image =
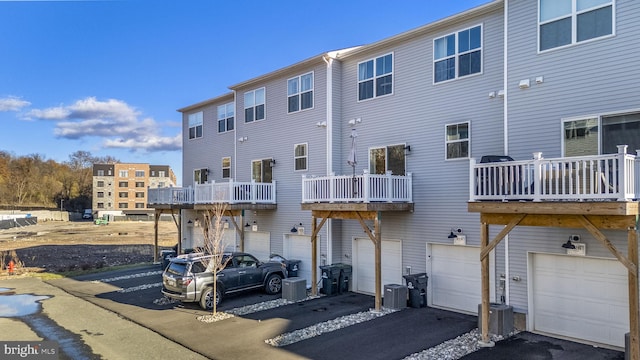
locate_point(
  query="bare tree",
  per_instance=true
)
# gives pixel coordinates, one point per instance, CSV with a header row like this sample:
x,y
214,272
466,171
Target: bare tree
x,y
213,231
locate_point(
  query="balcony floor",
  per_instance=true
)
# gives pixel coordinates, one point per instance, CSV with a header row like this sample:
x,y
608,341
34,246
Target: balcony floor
x,y
621,208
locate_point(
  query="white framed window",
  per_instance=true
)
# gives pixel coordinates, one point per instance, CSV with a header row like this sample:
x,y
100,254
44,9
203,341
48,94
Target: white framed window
x,y
100,172
161,173
457,141
375,77
254,105
195,125
226,117
300,157
385,159
457,55
566,22
300,92
226,167
601,134
123,173
200,176
139,173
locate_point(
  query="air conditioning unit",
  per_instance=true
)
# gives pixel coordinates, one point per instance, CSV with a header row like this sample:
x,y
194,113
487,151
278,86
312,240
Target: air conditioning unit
x,y
294,289
500,319
395,296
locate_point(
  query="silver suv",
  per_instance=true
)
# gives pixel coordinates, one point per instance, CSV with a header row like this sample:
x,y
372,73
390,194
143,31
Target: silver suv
x,y
187,279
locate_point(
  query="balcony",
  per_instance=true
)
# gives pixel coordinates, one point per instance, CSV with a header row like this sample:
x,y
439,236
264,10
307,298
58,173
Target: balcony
x,y
365,188
611,177
232,193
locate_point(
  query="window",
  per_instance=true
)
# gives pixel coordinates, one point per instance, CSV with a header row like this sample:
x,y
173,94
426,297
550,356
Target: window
x,y
565,22
226,167
375,77
226,115
100,172
261,170
123,205
139,184
100,205
100,184
161,184
457,141
254,105
388,158
123,194
300,92
123,184
123,173
195,125
602,134
457,55
139,205
300,157
139,173
139,194
161,173
100,194
200,176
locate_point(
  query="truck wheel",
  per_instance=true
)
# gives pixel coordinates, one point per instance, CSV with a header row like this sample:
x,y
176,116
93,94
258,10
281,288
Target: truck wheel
x,y
273,284
206,300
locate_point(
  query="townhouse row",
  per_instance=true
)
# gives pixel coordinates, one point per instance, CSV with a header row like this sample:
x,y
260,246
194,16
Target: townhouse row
x,y
384,141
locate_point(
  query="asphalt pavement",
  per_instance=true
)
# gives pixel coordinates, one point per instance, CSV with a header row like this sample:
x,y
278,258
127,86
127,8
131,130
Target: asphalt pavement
x,y
116,313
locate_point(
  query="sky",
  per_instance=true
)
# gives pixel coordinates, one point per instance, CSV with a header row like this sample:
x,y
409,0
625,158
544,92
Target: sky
x,y
108,76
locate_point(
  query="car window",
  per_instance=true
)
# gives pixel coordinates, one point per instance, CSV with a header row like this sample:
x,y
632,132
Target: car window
x,y
247,261
177,268
197,267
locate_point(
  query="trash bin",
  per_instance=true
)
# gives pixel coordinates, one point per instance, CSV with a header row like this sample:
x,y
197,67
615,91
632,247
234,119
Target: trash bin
x,y
292,267
330,279
166,256
345,277
417,286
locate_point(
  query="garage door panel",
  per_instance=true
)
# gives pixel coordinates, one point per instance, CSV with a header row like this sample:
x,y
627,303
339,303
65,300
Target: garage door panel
x,y
455,277
298,247
258,244
364,271
590,302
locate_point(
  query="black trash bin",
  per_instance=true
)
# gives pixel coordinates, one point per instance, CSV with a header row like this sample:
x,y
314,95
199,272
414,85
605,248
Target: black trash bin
x,y
166,256
417,285
345,277
330,279
292,267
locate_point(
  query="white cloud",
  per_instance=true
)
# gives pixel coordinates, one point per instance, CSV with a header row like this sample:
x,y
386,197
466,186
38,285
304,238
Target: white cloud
x,y
113,120
12,103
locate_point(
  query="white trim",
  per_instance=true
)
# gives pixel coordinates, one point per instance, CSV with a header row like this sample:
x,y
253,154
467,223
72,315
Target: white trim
x,y
468,140
255,104
306,156
300,92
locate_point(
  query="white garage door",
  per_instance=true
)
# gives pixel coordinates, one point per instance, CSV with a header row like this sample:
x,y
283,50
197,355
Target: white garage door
x,y
455,278
258,244
364,264
298,247
580,297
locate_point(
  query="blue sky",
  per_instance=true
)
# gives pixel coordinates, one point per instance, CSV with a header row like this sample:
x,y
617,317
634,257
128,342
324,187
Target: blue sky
x,y
108,76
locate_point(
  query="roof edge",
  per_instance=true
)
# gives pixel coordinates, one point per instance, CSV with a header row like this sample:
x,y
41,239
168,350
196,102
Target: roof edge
x,y
206,102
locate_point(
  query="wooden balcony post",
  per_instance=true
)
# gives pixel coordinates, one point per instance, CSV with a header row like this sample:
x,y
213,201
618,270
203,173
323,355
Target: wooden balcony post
x,y
485,341
634,327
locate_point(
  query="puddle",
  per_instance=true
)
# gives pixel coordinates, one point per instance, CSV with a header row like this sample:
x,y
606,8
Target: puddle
x,y
20,305
27,308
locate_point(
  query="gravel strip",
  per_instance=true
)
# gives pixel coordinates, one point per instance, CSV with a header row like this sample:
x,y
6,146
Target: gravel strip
x,y
248,309
456,348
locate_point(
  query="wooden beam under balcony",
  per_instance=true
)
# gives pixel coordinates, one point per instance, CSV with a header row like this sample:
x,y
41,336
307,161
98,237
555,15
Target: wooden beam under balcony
x,y
383,206
621,208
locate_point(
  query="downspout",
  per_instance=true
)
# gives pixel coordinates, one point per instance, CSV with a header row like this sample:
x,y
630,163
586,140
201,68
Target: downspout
x,y
329,144
505,112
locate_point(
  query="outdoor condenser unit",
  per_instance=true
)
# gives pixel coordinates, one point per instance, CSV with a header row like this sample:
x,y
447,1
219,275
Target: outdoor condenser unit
x,y
294,289
395,296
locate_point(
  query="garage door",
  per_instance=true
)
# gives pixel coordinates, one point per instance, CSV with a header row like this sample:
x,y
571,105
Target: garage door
x,y
229,240
364,264
298,247
454,277
258,244
580,297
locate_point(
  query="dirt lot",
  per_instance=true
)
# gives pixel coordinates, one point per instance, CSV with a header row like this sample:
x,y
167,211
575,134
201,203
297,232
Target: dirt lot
x,y
57,246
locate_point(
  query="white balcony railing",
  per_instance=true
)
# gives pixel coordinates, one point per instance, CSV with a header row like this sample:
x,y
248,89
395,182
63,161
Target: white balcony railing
x,y
231,192
599,177
364,188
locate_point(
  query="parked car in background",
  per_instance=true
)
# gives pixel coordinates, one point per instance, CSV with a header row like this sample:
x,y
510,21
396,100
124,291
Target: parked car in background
x,y
189,278
87,214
